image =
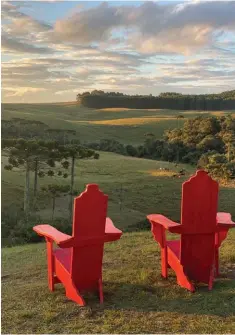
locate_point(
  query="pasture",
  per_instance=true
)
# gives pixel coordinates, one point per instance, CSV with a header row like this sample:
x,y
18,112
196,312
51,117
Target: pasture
x,y
136,187
136,298
127,126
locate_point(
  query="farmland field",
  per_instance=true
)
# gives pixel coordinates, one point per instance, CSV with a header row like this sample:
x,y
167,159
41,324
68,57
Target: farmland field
x,y
125,125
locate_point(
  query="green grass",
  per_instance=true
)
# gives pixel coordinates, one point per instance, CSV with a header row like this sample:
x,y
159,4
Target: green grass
x,y
143,192
137,300
84,120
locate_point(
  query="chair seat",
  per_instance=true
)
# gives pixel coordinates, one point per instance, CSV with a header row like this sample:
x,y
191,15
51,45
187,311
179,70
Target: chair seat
x,y
64,257
174,246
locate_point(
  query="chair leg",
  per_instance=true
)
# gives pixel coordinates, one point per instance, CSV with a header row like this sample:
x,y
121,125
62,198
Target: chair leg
x,y
184,281
50,265
214,270
211,280
101,290
164,262
217,273
182,278
73,294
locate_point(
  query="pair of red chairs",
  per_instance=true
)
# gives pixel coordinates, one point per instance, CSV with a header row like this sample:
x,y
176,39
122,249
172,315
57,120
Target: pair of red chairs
x,y
77,263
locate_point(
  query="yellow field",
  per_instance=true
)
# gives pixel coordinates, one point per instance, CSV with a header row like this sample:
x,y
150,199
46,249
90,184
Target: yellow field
x,y
215,113
114,109
132,121
127,109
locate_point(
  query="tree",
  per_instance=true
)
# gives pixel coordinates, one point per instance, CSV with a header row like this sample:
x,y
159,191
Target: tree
x,y
63,136
55,191
168,100
179,117
217,165
131,151
28,154
74,152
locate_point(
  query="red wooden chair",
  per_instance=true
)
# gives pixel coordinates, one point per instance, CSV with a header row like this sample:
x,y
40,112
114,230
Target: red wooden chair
x,y
195,257
77,264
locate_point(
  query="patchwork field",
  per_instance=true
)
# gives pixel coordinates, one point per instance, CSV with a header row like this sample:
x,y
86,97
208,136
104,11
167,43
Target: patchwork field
x,y
125,125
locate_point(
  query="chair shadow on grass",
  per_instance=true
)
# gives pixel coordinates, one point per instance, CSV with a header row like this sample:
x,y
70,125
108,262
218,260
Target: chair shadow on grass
x,y
166,296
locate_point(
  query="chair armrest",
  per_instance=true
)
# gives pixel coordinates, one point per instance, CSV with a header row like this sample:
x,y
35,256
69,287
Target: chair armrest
x,y
111,232
110,228
168,224
225,220
51,233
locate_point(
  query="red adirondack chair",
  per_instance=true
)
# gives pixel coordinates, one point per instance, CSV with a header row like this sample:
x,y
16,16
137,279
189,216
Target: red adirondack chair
x,y
77,264
195,257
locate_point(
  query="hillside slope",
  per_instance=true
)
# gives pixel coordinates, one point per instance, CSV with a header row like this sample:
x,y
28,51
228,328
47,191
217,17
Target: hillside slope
x,y
137,300
136,187
128,126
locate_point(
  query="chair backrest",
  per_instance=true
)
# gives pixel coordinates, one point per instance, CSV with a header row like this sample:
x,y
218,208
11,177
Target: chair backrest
x,y
198,219
90,209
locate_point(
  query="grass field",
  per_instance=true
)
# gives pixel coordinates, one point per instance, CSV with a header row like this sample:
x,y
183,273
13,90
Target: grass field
x,y
146,188
125,125
137,300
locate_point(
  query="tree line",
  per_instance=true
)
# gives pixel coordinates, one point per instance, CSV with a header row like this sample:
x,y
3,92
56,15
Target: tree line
x,y
168,100
206,142
33,129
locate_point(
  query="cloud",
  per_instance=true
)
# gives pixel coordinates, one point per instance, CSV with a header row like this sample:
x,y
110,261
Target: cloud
x,y
10,45
151,28
135,48
20,32
90,25
26,26
20,91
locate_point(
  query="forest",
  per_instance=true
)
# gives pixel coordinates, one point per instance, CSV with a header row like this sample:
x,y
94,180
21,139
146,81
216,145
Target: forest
x,y
168,100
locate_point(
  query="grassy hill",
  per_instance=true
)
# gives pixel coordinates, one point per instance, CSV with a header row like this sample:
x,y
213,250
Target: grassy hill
x,y
145,188
125,125
137,300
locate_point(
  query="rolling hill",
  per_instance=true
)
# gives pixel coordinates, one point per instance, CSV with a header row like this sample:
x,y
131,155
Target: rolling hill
x,y
128,126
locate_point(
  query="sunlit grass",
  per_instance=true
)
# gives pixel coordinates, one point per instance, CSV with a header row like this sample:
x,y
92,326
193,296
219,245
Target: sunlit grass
x,y
114,109
140,185
132,121
161,173
128,126
128,109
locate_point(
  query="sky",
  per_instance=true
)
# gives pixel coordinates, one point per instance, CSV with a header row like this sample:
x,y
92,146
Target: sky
x,y
53,50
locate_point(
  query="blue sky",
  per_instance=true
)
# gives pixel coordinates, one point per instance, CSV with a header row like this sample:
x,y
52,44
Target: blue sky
x,y
53,50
